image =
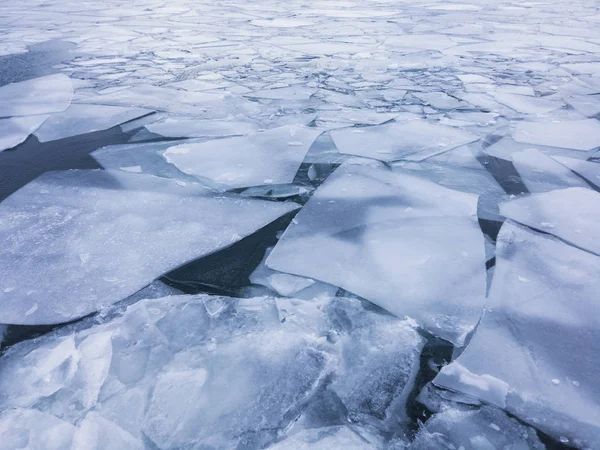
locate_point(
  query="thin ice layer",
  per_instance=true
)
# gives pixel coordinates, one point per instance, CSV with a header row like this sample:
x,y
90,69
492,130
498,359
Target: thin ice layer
x,y
80,119
78,241
541,173
189,127
15,130
203,371
571,214
43,95
398,140
535,350
406,244
270,157
590,171
575,134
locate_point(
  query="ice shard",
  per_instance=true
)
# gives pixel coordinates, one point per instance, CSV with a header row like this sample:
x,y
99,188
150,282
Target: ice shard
x,y
270,157
395,240
534,352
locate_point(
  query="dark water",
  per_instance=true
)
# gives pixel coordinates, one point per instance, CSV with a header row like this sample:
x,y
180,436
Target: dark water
x,y
37,62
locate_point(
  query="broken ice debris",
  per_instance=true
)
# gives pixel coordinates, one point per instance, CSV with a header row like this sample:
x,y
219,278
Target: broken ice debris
x,y
204,372
49,94
398,140
15,130
78,241
535,351
475,429
80,119
571,214
541,173
270,157
575,134
406,244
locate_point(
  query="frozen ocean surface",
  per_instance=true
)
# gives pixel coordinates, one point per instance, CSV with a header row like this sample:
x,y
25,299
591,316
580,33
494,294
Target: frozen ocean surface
x,y
324,224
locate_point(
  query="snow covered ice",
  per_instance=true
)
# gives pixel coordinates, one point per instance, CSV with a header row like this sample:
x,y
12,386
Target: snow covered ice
x,y
306,224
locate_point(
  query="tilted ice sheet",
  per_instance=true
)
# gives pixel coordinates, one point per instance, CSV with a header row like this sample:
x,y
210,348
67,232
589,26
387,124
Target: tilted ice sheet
x,y
535,351
572,214
14,130
461,170
270,157
398,140
49,94
576,134
395,240
80,119
590,171
78,241
541,173
205,372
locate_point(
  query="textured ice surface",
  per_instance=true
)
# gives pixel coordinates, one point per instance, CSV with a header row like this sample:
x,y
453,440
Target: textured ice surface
x,y
398,140
406,83
575,134
533,352
395,240
78,241
541,173
270,157
477,429
571,214
14,130
205,372
81,119
43,95
325,439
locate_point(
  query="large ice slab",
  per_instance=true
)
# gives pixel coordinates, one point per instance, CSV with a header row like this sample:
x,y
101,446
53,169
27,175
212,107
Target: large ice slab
x,y
576,134
80,119
206,372
534,352
78,241
398,140
571,214
43,95
541,173
15,130
395,240
270,157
